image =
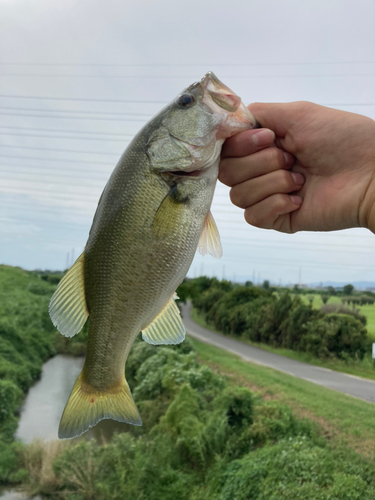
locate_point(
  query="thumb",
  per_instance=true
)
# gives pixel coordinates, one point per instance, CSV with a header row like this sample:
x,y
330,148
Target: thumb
x,y
279,117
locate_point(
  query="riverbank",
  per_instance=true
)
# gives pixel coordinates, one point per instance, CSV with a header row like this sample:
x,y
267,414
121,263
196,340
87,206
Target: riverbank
x,y
343,420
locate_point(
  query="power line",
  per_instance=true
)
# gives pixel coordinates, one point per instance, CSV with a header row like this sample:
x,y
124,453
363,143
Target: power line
x,y
8,96
130,65
76,112
63,137
184,77
66,131
296,246
294,264
55,195
126,101
267,242
31,171
93,182
76,118
241,242
61,150
55,160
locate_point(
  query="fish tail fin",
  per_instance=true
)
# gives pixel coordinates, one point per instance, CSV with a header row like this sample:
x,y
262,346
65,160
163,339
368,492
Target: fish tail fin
x,y
86,406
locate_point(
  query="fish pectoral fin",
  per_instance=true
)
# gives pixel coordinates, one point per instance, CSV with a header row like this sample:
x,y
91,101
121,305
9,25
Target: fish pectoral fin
x,y
87,406
209,241
167,327
68,308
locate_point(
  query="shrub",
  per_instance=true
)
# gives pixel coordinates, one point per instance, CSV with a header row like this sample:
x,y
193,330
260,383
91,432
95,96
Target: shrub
x,y
293,469
341,309
247,319
336,335
295,327
10,398
219,313
276,315
208,299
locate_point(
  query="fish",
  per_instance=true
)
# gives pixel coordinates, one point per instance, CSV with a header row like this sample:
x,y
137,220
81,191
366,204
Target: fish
x,y
153,214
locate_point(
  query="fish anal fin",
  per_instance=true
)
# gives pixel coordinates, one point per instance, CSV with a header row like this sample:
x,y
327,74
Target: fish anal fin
x,y
87,406
209,241
167,327
68,308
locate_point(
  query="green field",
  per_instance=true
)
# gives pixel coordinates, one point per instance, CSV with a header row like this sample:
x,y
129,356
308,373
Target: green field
x,y
344,420
368,310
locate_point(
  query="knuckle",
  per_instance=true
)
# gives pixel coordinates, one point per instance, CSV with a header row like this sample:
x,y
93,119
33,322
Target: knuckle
x,y
281,203
285,180
252,219
275,158
236,197
225,173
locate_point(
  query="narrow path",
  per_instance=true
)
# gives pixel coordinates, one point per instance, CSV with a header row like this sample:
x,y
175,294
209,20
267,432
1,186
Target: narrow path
x,y
348,384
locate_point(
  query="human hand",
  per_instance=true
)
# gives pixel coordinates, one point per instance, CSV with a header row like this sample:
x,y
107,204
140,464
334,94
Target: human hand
x,y
312,170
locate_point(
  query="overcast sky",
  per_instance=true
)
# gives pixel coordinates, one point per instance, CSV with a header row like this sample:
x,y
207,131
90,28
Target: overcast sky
x,y
79,78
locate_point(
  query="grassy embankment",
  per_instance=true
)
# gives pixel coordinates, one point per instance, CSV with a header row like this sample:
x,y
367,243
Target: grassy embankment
x,y
360,368
343,419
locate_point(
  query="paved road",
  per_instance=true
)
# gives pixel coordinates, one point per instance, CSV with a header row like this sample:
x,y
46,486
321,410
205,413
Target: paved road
x,y
348,384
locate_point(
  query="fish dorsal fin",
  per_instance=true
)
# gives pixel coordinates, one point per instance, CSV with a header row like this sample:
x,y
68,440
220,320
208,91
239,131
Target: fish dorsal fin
x,y
209,242
68,309
167,327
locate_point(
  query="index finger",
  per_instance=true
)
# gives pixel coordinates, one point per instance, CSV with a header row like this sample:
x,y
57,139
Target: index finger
x,y
247,142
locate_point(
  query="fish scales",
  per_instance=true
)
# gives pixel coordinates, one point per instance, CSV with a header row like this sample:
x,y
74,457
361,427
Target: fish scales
x,y
152,213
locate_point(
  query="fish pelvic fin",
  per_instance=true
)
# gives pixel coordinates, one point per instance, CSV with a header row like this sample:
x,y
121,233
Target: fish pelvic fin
x,y
209,241
167,327
68,308
87,406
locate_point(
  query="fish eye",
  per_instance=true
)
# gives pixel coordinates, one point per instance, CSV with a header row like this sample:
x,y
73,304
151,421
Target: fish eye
x,y
186,100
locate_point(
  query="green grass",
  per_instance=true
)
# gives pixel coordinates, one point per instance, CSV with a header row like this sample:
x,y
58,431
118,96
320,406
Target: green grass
x,y
364,368
343,419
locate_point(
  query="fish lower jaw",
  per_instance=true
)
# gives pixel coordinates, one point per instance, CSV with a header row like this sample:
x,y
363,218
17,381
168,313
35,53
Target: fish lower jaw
x,y
233,123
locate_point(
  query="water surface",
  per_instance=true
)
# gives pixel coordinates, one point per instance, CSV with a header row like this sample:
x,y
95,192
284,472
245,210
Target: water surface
x,y
45,402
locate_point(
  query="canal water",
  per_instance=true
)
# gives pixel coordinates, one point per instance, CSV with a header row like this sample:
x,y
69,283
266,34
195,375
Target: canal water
x,y
45,402
43,406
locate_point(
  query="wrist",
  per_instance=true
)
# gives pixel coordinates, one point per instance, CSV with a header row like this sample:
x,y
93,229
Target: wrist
x,y
367,207
368,218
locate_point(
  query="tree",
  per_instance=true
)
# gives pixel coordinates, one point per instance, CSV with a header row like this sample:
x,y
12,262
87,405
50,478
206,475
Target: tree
x,y
266,284
325,298
348,289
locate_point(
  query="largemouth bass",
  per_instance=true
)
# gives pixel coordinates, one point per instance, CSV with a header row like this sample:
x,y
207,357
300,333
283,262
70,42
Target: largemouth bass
x,y
153,214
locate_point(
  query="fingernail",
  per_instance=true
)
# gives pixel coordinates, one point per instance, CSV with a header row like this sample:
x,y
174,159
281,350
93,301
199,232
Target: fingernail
x,y
297,200
264,137
298,178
